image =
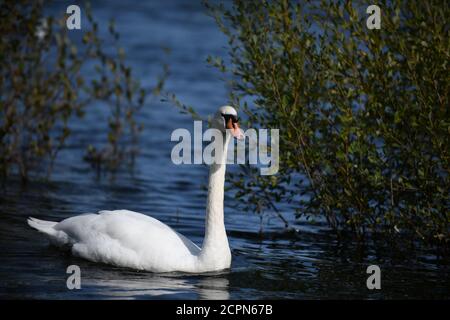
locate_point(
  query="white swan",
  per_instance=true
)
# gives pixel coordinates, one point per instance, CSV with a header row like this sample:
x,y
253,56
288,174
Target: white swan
x,y
134,240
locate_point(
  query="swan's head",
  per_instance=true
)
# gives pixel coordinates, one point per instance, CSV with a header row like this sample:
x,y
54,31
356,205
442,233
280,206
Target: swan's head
x,y
226,118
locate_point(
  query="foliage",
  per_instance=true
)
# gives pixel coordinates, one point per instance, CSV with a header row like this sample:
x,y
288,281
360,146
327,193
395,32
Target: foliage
x,y
47,79
363,114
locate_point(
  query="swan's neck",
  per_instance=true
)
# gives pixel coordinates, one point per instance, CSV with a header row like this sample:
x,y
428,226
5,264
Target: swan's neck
x,y
215,245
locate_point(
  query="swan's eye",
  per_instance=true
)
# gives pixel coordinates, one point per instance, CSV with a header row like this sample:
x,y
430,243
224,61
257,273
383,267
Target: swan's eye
x,y
234,119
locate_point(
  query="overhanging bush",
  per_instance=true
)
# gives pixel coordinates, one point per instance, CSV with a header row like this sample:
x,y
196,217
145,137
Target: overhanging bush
x,y
363,114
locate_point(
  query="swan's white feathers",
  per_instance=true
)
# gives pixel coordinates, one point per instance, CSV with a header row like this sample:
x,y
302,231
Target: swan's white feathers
x,y
228,110
124,238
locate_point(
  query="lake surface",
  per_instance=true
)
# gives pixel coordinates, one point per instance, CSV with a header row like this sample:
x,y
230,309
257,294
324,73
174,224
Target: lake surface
x,y
308,263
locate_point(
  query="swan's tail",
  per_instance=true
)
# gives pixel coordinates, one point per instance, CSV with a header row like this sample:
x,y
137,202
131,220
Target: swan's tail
x,y
46,227
56,237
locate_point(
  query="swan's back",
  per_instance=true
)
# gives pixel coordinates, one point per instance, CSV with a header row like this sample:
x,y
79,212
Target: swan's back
x,y
126,238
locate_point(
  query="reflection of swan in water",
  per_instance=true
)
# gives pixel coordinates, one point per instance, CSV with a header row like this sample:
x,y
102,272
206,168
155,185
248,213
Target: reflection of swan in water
x,y
213,288
158,286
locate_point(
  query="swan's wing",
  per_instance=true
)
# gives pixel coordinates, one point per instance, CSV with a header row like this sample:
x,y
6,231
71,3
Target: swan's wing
x,y
130,239
193,248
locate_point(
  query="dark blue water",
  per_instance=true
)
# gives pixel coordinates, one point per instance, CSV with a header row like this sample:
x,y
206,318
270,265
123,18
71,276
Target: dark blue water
x,y
279,263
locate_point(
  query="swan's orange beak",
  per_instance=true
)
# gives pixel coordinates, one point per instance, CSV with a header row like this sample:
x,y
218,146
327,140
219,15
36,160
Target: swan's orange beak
x,y
234,129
